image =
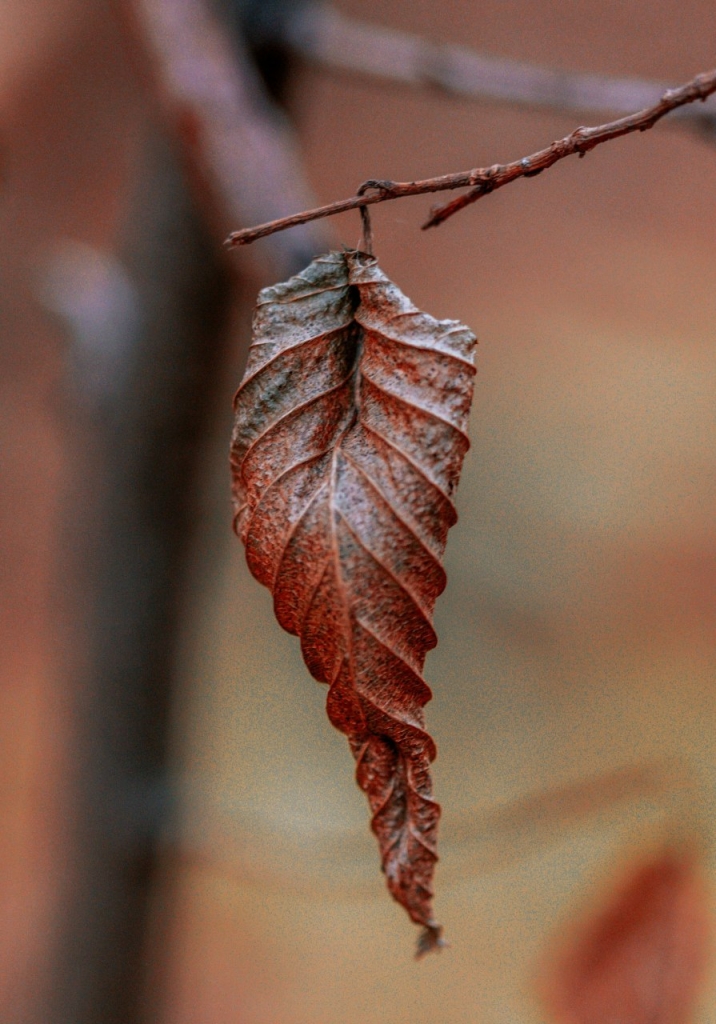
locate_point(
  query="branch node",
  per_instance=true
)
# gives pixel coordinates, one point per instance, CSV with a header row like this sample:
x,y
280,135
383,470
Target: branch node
x,y
383,186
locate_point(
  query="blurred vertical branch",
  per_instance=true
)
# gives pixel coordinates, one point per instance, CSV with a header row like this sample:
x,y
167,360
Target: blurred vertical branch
x,y
147,346
238,145
130,523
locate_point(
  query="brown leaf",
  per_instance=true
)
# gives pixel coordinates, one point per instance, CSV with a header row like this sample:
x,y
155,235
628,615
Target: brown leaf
x,y
640,958
347,449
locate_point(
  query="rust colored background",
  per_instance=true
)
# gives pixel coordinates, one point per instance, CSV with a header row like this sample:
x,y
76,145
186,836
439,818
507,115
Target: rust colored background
x,y
573,684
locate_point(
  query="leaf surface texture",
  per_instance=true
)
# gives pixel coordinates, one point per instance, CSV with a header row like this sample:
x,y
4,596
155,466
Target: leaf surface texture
x,y
349,439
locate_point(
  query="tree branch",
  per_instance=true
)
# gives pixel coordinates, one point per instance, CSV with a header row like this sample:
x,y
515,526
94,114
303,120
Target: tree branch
x,y
325,36
580,141
483,180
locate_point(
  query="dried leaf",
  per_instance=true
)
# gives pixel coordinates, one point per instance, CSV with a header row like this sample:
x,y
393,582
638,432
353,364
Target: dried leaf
x,y
640,958
347,449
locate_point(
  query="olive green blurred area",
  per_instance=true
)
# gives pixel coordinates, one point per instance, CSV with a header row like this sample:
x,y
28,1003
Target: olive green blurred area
x,y
573,685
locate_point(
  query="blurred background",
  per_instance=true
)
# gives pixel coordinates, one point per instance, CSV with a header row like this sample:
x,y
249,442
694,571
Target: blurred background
x,y
181,837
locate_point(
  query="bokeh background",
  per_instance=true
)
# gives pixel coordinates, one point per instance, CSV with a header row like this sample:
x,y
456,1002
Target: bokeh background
x,y
181,838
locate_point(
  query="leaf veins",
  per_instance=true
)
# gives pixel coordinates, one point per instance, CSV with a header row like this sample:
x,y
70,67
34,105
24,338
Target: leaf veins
x,y
347,449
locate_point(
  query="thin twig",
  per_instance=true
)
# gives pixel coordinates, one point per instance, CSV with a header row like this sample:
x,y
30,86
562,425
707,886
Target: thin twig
x,y
367,238
483,180
580,141
321,34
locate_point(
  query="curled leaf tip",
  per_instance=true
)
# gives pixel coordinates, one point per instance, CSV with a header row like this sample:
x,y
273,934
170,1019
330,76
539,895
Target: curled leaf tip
x,y
430,940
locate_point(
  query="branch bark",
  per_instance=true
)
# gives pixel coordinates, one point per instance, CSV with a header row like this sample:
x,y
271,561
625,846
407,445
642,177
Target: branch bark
x,y
580,141
483,180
